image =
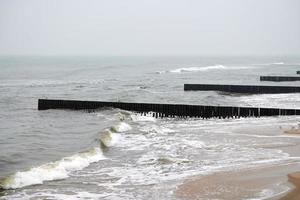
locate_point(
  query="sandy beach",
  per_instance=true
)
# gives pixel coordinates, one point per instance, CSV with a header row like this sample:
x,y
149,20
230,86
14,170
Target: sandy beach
x,y
275,182
292,130
293,194
242,184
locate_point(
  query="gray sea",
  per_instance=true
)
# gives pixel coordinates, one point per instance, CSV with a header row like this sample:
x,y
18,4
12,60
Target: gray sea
x,y
115,154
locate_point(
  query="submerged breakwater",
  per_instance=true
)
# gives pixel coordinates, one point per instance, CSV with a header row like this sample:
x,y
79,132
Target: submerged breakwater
x,y
168,110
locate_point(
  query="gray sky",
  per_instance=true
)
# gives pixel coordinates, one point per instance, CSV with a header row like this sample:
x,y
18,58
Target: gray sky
x,y
149,27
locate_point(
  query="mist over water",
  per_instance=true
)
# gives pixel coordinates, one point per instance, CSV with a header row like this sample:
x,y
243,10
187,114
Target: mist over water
x,y
115,154
137,27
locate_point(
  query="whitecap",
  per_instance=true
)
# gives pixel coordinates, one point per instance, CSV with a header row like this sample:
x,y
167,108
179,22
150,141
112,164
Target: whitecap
x,y
109,138
156,129
268,64
194,143
278,63
140,118
44,83
121,127
194,69
52,171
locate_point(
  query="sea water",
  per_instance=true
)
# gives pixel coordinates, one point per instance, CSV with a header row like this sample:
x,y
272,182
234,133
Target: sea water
x,y
115,154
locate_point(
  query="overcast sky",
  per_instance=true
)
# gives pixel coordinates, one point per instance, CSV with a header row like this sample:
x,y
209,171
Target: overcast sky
x,y
149,27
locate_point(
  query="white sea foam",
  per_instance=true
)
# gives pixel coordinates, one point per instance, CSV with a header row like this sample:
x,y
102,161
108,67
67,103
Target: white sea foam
x,y
268,64
121,127
152,159
109,138
194,69
194,143
42,83
268,136
123,114
140,118
269,193
271,100
156,129
52,171
76,196
57,195
278,63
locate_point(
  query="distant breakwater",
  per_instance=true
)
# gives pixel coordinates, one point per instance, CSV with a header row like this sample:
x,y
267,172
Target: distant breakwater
x,y
279,78
249,89
168,110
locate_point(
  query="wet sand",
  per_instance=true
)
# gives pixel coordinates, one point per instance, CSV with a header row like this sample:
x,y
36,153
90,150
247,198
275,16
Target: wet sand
x,y
264,182
294,194
292,130
274,182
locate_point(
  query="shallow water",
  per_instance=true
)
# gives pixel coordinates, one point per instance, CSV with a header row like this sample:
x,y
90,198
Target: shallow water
x,y
113,154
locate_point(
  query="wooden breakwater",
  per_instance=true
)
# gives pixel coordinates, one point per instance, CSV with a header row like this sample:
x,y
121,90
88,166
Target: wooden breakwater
x,y
250,89
279,78
168,110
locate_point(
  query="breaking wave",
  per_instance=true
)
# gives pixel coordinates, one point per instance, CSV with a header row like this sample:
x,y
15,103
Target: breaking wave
x,y
58,170
121,127
194,69
61,169
43,83
140,118
268,64
110,137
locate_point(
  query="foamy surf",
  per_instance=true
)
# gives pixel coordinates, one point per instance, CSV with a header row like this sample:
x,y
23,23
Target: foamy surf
x,y
278,63
194,69
269,64
52,171
109,138
140,118
45,83
121,127
194,143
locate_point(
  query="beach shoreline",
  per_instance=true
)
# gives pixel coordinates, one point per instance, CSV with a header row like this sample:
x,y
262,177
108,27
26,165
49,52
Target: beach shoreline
x,y
293,194
272,181
269,182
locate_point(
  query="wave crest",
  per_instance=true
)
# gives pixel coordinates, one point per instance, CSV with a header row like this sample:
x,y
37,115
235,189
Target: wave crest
x,y
141,118
53,170
121,127
194,69
108,138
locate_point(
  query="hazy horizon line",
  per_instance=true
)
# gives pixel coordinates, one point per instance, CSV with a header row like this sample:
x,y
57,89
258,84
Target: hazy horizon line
x,y
150,55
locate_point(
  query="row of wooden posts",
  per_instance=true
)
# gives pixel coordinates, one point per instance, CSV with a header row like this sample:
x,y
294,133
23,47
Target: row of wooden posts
x,y
280,78
250,89
184,111
168,110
